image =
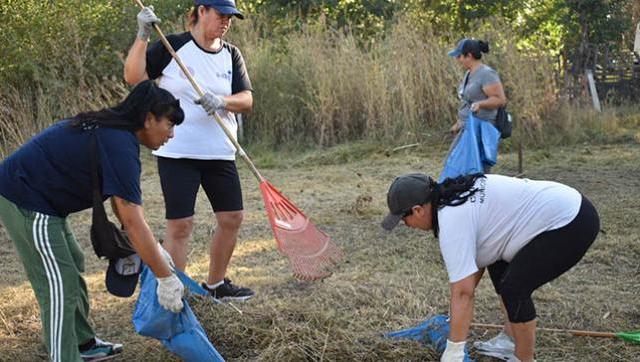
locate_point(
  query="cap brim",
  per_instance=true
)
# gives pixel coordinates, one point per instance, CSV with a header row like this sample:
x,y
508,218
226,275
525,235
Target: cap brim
x,y
390,221
120,285
454,53
229,10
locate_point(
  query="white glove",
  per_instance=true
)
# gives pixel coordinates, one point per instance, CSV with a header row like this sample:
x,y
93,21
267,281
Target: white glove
x,y
170,290
454,352
211,103
146,17
167,257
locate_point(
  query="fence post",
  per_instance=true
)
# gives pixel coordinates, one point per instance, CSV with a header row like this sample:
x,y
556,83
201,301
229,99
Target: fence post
x,y
593,91
636,44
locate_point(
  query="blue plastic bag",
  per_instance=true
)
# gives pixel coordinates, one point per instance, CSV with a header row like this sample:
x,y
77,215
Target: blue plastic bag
x,y
489,143
433,333
477,146
181,332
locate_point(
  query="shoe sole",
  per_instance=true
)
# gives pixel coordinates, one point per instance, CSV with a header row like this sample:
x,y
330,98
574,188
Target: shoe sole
x,y
496,354
233,299
101,358
494,349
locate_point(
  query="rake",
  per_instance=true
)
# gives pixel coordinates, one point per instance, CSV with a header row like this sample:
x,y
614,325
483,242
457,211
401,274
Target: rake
x,y
310,251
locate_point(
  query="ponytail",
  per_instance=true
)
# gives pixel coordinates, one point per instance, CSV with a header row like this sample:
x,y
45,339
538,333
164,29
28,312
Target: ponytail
x,y
484,46
131,113
452,192
475,48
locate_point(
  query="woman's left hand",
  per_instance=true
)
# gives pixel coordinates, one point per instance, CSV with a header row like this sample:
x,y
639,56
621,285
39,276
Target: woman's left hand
x,y
211,103
475,106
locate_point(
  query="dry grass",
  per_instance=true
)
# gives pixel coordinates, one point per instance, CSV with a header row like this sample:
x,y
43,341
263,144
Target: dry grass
x,y
317,85
25,112
387,282
320,85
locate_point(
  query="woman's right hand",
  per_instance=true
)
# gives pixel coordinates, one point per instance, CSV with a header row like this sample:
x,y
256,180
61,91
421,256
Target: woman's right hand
x,y
146,17
455,128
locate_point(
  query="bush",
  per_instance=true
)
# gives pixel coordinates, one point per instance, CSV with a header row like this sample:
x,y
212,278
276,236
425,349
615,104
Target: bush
x,y
61,58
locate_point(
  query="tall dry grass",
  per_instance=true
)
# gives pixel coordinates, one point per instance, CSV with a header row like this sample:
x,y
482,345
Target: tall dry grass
x,y
26,111
60,59
321,86
318,86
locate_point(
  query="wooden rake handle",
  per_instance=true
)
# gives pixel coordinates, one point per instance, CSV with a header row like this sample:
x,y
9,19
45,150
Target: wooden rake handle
x,y
200,92
575,332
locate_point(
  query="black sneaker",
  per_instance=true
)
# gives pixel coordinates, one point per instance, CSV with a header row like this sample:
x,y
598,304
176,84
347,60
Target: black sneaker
x,y
228,291
99,350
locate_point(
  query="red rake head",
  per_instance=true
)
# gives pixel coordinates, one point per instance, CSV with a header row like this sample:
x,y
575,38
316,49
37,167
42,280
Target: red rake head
x,y
311,252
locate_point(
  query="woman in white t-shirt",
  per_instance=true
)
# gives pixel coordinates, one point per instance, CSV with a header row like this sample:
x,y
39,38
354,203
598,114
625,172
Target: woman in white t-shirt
x,y
505,224
200,154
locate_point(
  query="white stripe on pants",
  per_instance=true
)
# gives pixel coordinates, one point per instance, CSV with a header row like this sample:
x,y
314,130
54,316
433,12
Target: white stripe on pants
x,y
56,292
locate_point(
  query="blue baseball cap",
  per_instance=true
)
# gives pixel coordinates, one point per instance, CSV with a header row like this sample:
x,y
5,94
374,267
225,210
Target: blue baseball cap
x,y
226,7
122,275
464,46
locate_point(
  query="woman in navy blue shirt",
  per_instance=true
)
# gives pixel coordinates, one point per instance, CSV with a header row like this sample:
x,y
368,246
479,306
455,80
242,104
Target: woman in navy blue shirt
x,y
49,177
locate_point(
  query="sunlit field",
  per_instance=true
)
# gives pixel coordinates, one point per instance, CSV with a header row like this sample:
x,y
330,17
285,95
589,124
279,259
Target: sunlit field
x,y
386,282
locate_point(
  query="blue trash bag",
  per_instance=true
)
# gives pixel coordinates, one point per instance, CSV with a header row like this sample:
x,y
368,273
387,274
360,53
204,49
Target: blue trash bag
x,y
489,143
181,333
433,333
477,146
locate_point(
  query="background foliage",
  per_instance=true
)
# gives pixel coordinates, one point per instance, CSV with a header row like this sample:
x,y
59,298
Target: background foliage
x,y
324,71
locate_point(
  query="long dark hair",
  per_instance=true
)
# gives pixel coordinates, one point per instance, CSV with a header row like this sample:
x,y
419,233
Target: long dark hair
x,y
131,113
451,192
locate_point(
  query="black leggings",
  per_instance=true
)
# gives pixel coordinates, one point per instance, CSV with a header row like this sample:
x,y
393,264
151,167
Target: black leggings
x,y
547,256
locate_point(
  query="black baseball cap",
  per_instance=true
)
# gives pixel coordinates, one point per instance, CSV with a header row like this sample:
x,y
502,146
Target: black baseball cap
x,y
405,192
226,7
122,275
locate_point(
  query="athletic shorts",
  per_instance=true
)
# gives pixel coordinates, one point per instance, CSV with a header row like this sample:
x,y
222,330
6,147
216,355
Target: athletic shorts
x,y
181,178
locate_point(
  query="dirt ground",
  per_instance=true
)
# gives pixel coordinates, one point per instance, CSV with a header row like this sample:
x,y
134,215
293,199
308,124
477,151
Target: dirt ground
x,y
386,282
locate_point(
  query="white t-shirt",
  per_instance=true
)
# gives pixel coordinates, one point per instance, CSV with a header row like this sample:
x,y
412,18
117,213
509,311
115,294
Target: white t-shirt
x,y
501,218
221,72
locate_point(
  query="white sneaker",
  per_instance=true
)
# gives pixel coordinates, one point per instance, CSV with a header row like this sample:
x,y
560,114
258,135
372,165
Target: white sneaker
x,y
500,346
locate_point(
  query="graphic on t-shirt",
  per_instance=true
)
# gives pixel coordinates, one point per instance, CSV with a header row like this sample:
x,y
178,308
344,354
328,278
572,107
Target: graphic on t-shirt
x,y
480,194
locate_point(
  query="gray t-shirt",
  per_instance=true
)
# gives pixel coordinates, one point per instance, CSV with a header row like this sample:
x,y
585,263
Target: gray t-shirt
x,y
472,92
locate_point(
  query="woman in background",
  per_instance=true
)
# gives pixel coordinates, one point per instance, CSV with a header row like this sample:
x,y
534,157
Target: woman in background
x,y
480,91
